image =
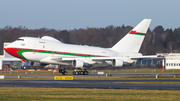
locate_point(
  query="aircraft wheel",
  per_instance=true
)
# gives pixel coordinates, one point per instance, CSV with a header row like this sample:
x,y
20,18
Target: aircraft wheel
x,y
86,72
64,73
60,70
82,72
74,73
77,73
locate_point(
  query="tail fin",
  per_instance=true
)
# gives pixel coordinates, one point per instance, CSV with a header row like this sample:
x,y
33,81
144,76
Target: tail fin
x,y
131,43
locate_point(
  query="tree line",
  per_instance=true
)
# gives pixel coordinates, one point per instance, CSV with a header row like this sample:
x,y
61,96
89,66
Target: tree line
x,y
156,40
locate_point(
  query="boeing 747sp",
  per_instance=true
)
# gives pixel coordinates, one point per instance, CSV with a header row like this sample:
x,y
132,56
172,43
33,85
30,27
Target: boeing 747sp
x,y
49,50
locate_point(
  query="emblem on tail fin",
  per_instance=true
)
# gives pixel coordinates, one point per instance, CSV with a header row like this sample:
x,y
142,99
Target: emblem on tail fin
x,y
137,33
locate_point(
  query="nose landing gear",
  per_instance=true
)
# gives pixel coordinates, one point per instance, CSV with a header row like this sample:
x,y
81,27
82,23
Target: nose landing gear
x,y
63,71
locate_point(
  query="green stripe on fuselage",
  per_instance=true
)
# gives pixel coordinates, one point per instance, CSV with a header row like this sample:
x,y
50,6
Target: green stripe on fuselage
x,y
22,51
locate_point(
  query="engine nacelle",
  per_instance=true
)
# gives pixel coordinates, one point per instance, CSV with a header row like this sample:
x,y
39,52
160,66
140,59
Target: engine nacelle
x,y
78,64
117,63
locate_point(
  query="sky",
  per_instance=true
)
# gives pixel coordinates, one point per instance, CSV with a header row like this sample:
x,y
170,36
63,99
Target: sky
x,y
75,14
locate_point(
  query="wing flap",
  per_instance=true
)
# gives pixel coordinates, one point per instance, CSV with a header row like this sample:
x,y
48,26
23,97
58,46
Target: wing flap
x,y
92,58
143,57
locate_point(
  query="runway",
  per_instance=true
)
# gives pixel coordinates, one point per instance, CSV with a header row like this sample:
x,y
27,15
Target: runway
x,y
98,76
105,84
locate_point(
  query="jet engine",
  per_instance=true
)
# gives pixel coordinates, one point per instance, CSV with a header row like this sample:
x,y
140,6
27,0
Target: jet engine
x,y
78,64
117,63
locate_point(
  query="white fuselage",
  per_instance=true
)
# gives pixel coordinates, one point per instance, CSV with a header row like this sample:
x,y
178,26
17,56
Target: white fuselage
x,y
37,49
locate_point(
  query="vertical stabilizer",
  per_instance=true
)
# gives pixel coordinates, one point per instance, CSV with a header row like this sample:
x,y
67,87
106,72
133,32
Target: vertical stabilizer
x,y
131,43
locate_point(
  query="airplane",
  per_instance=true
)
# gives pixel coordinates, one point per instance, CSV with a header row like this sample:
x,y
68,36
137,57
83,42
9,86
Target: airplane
x,y
48,50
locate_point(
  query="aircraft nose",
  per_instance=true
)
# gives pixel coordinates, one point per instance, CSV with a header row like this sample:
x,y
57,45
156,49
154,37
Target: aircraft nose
x,y
7,50
13,51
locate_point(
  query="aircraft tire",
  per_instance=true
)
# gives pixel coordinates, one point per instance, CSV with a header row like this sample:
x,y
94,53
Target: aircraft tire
x,y
82,72
74,73
86,73
64,73
60,70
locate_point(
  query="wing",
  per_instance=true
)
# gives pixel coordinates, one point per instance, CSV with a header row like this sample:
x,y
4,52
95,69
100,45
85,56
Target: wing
x,y
143,57
83,61
90,61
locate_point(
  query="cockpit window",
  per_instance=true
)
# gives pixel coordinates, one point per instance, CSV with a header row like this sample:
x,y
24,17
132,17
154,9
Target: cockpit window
x,y
20,40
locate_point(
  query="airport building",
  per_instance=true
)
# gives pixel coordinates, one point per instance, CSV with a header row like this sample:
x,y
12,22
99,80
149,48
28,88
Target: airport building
x,y
171,60
149,61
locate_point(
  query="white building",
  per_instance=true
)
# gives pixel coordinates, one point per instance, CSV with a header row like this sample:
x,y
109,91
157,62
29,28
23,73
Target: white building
x,y
172,60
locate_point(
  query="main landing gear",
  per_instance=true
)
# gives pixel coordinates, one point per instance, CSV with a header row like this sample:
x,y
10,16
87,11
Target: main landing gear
x,y
80,72
75,72
63,71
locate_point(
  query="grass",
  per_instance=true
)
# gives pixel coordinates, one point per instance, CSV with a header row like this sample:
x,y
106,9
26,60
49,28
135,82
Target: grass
x,y
113,71
81,94
29,73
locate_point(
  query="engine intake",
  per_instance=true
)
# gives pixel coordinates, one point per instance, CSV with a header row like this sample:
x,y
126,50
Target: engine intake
x,y
78,64
117,63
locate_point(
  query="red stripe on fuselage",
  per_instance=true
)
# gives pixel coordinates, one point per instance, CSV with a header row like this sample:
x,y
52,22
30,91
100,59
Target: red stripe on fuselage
x,y
13,52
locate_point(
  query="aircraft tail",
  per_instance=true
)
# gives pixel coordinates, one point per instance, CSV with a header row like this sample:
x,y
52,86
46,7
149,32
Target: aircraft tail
x,y
131,43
